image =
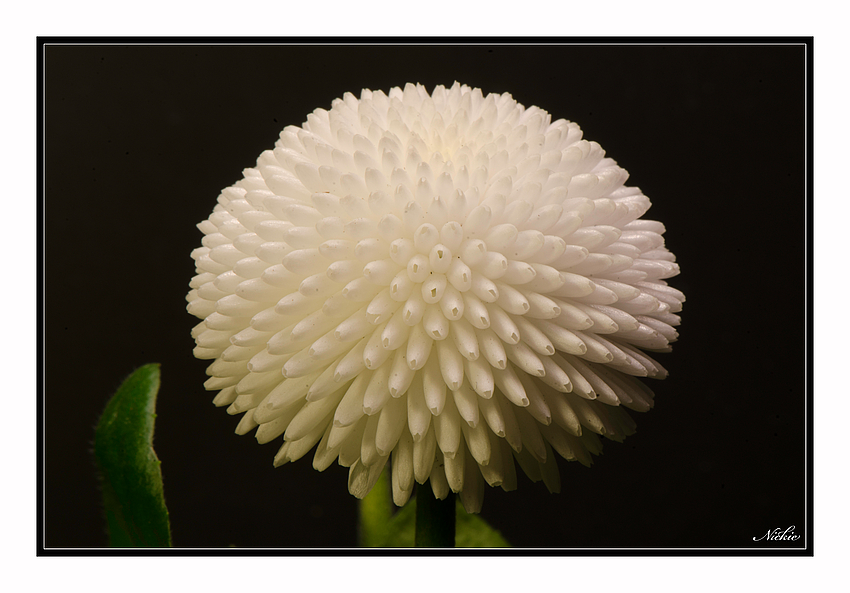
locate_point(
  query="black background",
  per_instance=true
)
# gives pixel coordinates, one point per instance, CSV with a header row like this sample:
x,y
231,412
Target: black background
x,y
140,139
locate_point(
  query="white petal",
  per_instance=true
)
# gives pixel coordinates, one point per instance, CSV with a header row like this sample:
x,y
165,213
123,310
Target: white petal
x,y
449,280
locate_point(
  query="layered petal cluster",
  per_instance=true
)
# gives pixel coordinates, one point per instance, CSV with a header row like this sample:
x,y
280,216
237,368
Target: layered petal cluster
x,y
449,282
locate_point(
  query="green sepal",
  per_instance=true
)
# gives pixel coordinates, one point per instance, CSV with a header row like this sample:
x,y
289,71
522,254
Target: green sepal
x,y
130,473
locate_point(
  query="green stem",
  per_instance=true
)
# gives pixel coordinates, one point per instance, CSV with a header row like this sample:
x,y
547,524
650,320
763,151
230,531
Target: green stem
x,y
435,519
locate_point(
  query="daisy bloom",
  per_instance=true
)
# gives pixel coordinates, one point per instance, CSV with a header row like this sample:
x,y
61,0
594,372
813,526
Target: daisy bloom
x,y
445,282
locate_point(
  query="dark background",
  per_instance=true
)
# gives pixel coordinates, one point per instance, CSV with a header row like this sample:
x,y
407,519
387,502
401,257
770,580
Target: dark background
x,y
139,141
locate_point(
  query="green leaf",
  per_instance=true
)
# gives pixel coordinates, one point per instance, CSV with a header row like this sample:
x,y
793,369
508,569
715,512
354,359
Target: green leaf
x,y
475,532
130,474
471,530
375,513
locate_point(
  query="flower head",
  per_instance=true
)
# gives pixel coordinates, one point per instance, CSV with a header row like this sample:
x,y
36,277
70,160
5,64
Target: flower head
x,y
447,281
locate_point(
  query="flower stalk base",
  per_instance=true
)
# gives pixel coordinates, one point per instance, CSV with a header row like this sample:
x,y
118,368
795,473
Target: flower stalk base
x,y
435,520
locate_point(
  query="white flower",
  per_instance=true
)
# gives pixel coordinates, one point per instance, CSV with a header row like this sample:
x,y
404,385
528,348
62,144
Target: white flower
x,y
447,281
